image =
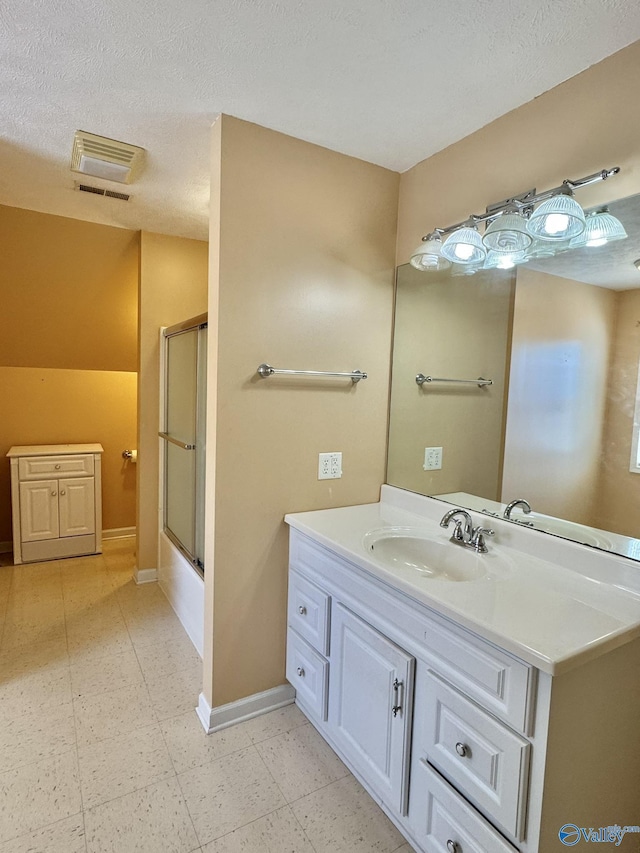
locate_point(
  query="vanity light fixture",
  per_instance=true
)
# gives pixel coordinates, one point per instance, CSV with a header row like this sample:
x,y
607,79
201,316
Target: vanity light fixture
x,y
428,255
464,246
508,233
530,225
558,218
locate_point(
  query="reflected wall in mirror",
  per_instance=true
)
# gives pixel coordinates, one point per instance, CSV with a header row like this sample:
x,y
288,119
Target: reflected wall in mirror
x,y
558,426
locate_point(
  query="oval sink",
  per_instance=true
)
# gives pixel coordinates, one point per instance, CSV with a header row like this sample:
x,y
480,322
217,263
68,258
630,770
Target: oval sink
x,y
437,559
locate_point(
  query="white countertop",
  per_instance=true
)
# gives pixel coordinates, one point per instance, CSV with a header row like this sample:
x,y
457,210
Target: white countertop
x,y
545,611
52,449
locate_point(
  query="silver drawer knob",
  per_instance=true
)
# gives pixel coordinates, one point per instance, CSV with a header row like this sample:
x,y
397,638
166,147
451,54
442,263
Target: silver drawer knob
x,y
302,610
300,671
453,846
462,749
57,467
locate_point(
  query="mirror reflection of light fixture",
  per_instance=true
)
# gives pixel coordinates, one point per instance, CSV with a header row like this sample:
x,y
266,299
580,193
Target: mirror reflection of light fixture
x,y
503,260
558,218
530,225
600,228
428,255
464,246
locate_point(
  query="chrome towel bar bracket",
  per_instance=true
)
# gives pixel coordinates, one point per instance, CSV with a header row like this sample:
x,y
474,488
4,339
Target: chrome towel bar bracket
x,y
480,382
266,370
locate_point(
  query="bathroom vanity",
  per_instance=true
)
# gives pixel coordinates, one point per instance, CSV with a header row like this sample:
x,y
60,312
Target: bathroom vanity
x,y
484,700
56,501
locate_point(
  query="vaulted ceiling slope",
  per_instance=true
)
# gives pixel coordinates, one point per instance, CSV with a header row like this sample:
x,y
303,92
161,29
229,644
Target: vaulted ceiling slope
x,y
388,82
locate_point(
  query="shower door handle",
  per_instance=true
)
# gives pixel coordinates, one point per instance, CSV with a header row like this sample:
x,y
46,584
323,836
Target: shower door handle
x,y
175,441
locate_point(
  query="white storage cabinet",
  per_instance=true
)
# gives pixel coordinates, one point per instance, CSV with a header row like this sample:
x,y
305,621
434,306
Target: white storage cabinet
x,y
56,497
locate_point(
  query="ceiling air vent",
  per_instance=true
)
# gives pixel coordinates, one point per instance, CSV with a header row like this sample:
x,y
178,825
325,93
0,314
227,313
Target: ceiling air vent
x,y
87,188
105,158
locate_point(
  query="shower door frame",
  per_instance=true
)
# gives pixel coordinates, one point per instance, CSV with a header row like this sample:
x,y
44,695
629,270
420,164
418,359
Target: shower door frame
x,y
196,324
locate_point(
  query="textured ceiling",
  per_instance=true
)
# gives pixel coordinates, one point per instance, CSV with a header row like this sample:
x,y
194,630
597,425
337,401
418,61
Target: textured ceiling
x,y
389,82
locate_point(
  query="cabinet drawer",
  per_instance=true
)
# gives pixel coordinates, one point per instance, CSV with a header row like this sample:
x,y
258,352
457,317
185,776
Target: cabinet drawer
x,y
482,757
45,467
443,822
308,672
309,612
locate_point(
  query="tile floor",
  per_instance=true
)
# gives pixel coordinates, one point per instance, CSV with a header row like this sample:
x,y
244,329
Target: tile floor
x,y
101,750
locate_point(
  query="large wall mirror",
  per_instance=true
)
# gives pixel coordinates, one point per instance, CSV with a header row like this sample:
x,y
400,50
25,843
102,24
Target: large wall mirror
x,y
559,339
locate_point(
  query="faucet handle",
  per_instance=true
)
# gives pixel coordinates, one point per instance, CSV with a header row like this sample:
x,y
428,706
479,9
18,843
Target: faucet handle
x,y
458,532
477,539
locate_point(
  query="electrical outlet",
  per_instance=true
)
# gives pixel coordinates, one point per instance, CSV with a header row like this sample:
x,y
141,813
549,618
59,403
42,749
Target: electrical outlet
x,y
329,466
432,459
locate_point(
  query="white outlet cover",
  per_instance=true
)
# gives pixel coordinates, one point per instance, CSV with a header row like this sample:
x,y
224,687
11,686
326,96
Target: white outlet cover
x,y
432,459
329,466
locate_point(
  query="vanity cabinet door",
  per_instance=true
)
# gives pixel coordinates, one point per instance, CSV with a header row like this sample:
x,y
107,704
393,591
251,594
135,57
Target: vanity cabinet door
x,y
370,704
39,510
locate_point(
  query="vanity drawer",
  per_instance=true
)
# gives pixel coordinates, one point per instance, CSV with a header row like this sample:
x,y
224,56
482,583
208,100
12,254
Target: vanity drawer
x,y
487,761
46,467
443,822
309,612
496,680
308,672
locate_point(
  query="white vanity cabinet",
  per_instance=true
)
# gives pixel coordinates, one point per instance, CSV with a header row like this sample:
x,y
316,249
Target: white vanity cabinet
x,y
467,747
56,501
396,691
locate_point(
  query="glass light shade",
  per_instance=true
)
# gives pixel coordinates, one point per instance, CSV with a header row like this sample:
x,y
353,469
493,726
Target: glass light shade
x,y
600,228
428,256
508,233
464,246
558,218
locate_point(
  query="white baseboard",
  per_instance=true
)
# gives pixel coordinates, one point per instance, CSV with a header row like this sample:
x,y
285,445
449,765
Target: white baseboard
x,y
141,576
119,533
6,547
215,719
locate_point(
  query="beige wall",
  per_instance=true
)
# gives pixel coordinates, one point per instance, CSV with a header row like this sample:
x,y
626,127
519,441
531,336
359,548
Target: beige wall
x,y
441,327
302,247
69,293
172,288
68,346
563,333
581,126
73,406
619,490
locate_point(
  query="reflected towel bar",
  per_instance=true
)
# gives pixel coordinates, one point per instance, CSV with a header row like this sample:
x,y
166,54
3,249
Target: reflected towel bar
x,y
266,370
480,382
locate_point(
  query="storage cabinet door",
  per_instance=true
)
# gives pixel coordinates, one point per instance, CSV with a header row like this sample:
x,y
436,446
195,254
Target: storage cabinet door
x,y
39,510
370,702
77,506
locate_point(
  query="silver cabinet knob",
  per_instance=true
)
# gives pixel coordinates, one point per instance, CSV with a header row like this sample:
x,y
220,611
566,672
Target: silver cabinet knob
x,y
302,610
300,672
63,492
453,846
53,494
462,749
57,467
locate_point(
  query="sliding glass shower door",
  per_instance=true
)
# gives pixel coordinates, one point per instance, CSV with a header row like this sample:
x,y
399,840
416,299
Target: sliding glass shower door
x,y
185,382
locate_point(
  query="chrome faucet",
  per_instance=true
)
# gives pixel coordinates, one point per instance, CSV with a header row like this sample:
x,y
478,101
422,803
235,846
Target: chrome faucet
x,y
464,533
526,508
